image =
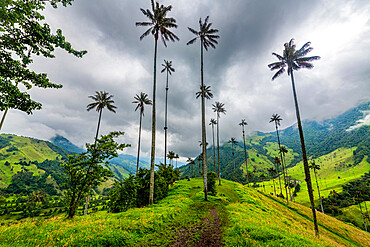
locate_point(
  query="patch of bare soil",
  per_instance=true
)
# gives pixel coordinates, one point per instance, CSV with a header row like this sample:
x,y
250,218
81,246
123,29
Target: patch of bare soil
x,y
210,233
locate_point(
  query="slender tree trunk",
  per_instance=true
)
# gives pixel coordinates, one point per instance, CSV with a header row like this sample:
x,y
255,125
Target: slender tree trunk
x,y
305,160
245,155
277,170
165,123
282,163
288,182
263,184
214,150
234,163
318,190
218,149
152,156
204,139
138,145
3,118
97,129
96,138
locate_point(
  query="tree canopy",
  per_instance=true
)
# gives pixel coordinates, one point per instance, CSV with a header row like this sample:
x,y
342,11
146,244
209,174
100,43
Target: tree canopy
x,y
24,34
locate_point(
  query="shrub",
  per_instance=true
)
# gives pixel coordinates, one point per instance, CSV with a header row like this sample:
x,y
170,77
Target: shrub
x,y
211,183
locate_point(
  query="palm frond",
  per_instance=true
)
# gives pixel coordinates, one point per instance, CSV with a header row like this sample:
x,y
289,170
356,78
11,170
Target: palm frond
x,y
193,31
191,41
277,74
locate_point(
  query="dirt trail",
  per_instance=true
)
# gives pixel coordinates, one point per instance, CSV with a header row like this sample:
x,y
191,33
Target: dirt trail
x,y
210,233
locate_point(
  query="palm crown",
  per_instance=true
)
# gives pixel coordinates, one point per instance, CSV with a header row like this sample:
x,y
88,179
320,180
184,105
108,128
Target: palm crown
x,y
283,150
141,100
275,118
167,66
276,160
293,59
205,34
219,108
213,121
206,90
102,100
243,123
233,141
314,166
158,23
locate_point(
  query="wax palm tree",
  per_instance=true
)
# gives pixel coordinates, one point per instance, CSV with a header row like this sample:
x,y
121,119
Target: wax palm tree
x,y
102,100
283,151
273,172
233,142
159,25
219,108
207,37
244,123
263,176
276,118
277,162
167,66
293,59
171,156
315,167
213,122
141,100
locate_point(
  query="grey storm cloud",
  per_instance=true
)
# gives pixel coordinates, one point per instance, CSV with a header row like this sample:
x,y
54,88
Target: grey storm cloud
x,y
119,63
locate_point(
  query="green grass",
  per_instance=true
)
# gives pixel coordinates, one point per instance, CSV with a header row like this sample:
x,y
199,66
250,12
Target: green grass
x,y
249,218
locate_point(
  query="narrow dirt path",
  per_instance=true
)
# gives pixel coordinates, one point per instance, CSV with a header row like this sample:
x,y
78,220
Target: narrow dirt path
x,y
209,231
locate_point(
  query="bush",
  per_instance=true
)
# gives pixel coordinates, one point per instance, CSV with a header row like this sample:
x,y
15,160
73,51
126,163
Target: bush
x,y
211,183
134,190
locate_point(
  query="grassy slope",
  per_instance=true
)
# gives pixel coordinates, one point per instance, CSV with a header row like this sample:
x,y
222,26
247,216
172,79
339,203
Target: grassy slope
x,y
249,217
336,169
28,150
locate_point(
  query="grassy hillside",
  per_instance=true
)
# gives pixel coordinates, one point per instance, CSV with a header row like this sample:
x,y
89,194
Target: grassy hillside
x,y
16,149
337,168
243,216
21,154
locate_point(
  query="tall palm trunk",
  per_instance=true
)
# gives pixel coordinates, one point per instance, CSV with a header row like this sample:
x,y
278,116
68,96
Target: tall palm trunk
x,y
97,129
96,137
318,190
304,156
277,170
3,118
214,150
165,123
218,149
152,155
234,163
138,145
282,164
288,182
245,155
204,139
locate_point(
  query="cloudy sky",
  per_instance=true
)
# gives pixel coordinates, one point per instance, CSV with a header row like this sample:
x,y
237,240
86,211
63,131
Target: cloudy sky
x,y
250,30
